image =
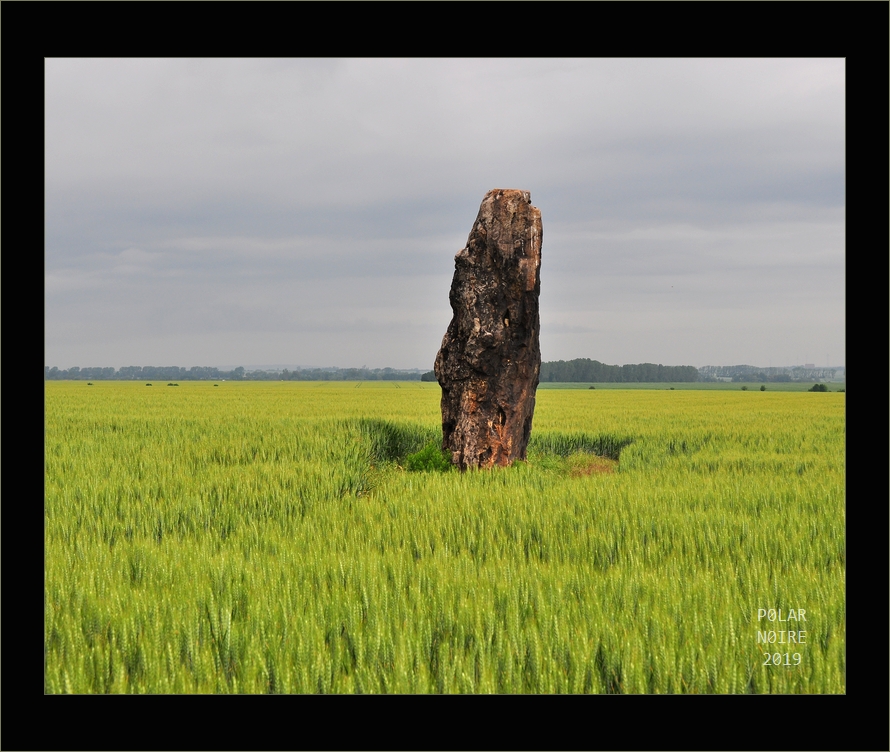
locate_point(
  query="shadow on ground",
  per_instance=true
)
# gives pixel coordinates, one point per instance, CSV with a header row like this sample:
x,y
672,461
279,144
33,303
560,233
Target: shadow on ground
x,y
393,442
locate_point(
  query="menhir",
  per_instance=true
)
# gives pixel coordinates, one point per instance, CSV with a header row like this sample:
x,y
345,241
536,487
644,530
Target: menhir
x,y
490,358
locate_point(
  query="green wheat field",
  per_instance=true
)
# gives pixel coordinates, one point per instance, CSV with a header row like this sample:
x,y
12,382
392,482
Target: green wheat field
x,y
267,537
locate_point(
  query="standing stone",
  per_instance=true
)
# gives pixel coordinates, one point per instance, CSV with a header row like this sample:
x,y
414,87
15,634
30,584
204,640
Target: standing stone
x,y
490,358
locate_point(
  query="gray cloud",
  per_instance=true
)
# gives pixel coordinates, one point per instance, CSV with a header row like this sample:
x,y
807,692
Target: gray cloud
x,y
307,211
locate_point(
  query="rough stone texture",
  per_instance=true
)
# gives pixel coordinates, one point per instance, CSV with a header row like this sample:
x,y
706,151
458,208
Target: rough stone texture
x,y
490,359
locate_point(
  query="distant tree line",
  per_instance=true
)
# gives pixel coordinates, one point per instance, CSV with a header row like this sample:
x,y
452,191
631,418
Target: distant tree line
x,y
198,373
584,369
581,369
349,374
144,373
742,373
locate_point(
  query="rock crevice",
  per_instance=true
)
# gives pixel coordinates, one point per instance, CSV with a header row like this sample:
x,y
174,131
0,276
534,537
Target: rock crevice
x,y
490,359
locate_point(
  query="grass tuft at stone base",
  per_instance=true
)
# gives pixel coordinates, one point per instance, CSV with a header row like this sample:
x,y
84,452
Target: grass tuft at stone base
x,y
428,459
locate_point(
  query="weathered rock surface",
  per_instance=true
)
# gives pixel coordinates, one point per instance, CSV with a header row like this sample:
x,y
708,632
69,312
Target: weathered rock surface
x,y
490,359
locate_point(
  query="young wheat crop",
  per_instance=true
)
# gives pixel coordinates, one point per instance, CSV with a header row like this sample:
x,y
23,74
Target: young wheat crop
x,y
268,537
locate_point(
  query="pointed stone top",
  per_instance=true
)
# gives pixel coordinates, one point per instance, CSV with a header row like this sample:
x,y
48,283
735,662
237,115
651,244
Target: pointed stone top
x,y
526,195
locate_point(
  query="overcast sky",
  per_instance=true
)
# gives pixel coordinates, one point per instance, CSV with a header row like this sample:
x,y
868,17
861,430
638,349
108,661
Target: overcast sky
x,y
307,212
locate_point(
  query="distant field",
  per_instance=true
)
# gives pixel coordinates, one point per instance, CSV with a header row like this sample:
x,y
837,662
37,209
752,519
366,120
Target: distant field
x,y
695,385
264,537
